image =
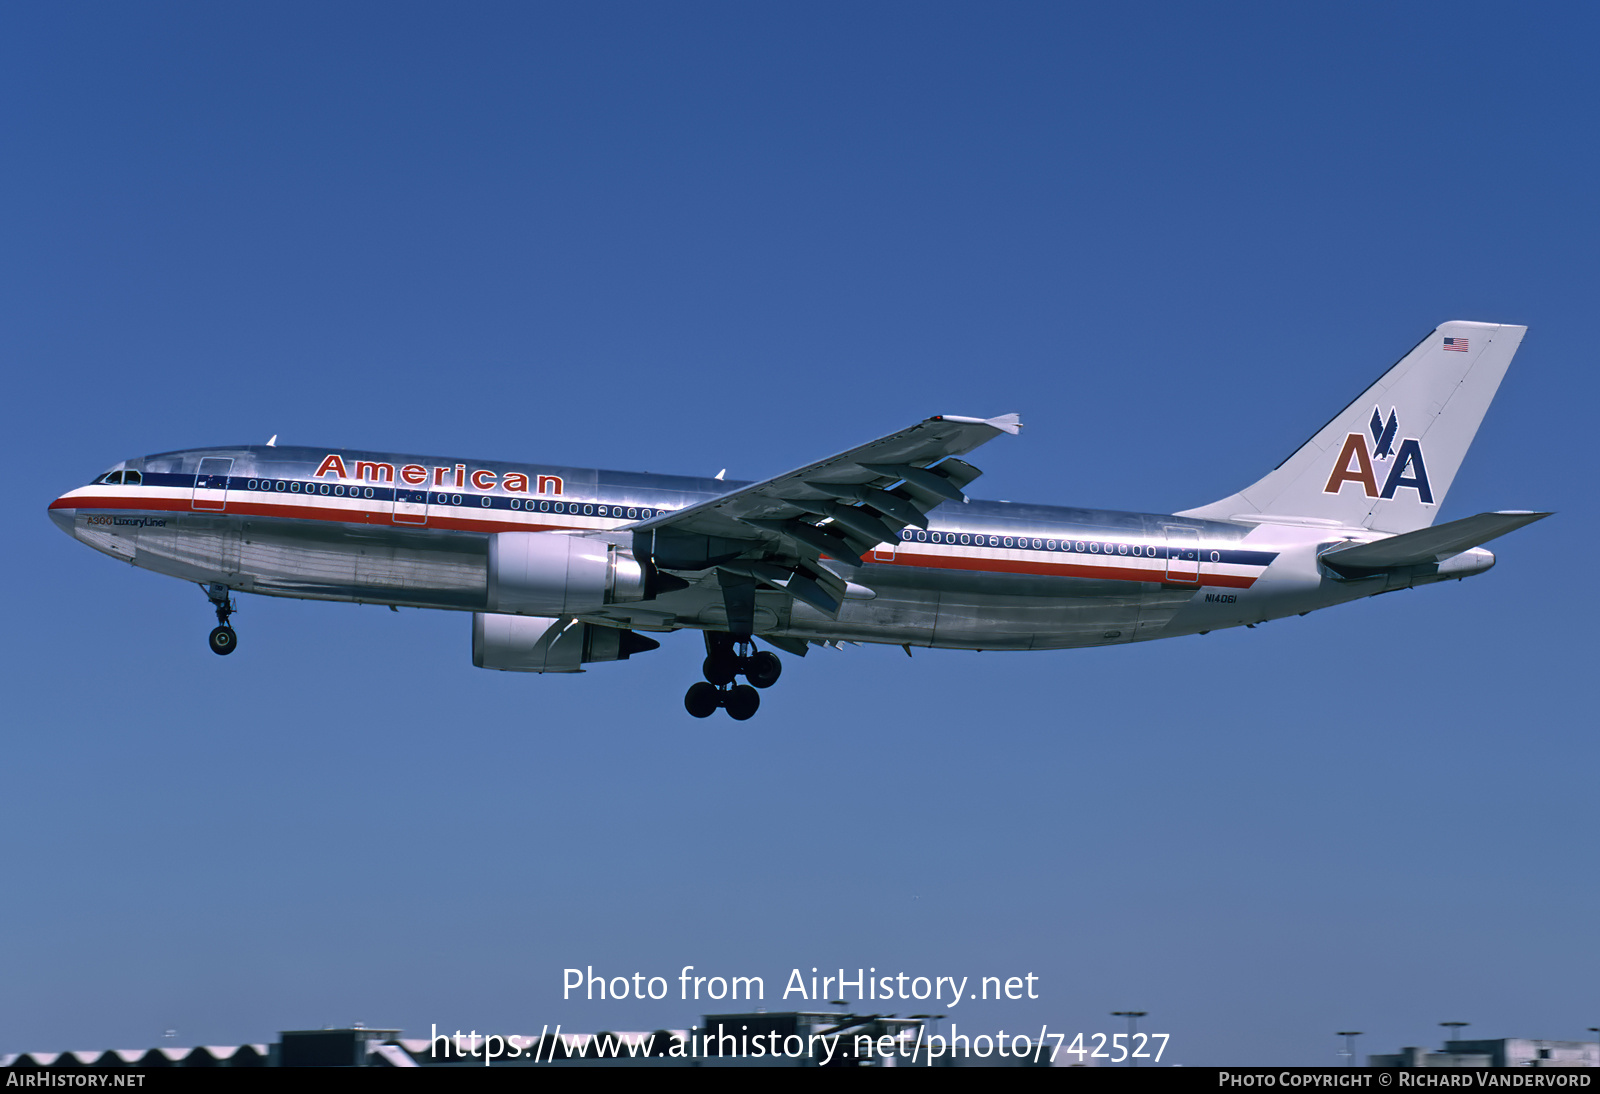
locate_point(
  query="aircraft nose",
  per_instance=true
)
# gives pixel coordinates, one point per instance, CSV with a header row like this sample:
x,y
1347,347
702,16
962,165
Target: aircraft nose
x,y
62,516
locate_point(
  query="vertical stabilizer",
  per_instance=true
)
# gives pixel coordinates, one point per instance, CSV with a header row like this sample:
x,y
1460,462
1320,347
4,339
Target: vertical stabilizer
x,y
1387,460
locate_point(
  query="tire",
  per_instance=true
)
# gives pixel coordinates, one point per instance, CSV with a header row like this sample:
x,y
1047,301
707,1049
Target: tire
x,y
763,670
742,702
702,700
224,641
719,670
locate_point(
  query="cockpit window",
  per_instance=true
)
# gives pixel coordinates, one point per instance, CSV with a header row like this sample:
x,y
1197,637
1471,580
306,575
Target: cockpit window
x,y
120,477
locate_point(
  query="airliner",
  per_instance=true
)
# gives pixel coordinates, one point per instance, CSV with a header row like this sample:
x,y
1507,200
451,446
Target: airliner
x,y
561,567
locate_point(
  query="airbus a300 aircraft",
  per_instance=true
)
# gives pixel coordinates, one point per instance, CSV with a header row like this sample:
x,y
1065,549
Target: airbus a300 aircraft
x,y
561,567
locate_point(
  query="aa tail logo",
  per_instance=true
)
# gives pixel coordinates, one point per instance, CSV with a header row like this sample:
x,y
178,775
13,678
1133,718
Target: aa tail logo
x,y
1406,467
1383,435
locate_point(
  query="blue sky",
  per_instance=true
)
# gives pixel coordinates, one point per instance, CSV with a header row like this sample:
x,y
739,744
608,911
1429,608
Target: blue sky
x,y
683,238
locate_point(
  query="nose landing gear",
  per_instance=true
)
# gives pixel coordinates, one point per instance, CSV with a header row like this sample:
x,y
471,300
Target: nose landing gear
x,y
223,639
727,660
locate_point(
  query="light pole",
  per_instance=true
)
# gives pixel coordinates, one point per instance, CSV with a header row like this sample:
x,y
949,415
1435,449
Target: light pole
x,y
1349,1036
1454,1028
1133,1017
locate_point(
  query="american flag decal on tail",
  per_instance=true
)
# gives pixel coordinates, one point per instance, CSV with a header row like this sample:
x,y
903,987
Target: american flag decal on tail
x,y
1457,344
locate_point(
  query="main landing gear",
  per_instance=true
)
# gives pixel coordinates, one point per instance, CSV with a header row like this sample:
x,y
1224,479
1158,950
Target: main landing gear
x,y
726,660
223,639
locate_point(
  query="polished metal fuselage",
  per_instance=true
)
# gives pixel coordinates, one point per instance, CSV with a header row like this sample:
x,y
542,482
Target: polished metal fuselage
x,y
411,531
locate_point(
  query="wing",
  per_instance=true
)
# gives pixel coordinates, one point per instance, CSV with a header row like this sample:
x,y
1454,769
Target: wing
x,y
778,532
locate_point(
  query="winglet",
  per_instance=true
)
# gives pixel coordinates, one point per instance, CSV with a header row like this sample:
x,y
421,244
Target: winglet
x,y
1005,423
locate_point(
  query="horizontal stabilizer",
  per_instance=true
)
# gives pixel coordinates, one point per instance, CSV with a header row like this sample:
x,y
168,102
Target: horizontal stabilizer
x,y
1429,544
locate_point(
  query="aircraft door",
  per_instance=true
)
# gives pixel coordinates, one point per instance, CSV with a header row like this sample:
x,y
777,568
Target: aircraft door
x,y
1183,556
211,485
410,506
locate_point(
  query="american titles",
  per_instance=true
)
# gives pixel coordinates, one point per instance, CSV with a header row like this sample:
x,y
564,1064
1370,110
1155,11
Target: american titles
x,y
451,475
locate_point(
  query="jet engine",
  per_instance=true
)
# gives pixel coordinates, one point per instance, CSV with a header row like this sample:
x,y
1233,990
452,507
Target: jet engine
x,y
518,643
541,573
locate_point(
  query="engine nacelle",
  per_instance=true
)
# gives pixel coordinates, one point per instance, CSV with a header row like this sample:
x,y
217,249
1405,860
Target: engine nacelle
x,y
541,573
519,643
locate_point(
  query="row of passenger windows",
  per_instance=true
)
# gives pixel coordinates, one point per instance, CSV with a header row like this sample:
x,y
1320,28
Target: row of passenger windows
x,y
530,505
589,509
1092,547
294,487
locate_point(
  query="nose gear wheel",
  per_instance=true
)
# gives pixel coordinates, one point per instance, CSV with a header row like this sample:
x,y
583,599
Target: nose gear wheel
x,y
224,640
